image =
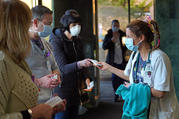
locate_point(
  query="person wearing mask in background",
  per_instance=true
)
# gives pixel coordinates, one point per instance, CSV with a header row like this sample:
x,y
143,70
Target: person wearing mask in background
x,y
68,52
18,93
41,60
116,50
149,65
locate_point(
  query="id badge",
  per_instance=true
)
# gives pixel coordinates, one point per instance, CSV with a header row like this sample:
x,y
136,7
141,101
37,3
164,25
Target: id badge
x,y
148,74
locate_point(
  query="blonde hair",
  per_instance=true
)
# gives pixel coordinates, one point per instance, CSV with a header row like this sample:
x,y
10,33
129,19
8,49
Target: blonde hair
x,y
14,26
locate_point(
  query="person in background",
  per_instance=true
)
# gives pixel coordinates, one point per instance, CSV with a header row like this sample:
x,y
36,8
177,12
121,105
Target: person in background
x,y
149,65
68,52
18,93
41,60
116,51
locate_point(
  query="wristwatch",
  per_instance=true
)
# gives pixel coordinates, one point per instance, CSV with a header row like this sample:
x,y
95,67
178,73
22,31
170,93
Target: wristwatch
x,y
30,112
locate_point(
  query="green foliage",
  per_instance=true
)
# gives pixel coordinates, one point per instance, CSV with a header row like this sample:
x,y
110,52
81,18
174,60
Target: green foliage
x,y
112,2
104,2
140,8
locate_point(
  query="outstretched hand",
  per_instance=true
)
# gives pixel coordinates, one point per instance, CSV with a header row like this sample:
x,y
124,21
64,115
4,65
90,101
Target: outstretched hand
x,y
84,63
104,66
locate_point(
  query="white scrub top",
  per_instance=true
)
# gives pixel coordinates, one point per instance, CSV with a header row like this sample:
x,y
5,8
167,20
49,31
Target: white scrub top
x,y
162,80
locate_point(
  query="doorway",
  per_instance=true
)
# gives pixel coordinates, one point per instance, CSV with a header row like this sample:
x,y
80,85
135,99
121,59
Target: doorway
x,y
109,10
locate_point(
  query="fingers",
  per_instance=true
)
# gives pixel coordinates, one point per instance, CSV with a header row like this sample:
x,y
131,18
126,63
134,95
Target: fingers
x,y
42,111
100,65
61,107
88,90
87,63
53,81
55,110
56,78
65,101
56,82
59,80
53,84
126,84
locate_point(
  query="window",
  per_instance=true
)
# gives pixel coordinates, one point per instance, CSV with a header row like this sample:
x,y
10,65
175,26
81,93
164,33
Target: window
x,y
32,3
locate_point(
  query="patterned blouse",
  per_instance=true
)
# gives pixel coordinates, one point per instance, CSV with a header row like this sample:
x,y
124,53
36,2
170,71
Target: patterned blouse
x,y
17,90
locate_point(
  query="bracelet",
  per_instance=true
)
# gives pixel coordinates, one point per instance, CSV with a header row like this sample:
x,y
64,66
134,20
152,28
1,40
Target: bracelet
x,y
27,114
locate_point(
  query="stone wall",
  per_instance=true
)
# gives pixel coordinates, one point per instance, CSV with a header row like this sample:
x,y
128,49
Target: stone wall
x,y
167,15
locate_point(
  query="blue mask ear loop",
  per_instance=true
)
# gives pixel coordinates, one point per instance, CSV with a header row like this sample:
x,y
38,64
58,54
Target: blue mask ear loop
x,y
137,65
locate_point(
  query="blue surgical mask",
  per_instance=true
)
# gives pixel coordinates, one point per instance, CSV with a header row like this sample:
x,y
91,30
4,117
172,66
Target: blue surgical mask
x,y
130,45
75,30
114,29
46,31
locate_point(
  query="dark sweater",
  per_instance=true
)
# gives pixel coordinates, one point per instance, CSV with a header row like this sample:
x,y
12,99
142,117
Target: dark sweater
x,y
67,53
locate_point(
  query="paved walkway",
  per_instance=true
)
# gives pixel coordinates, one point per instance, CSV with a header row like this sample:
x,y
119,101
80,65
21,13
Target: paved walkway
x,y
107,108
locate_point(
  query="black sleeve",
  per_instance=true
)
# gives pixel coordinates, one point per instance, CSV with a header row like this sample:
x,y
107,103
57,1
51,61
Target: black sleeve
x,y
107,43
58,51
59,54
123,33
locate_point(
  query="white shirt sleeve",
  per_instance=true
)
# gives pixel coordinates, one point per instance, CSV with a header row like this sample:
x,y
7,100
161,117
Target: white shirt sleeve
x,y
129,65
162,73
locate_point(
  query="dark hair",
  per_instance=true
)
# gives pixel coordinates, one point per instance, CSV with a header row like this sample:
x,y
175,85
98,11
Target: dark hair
x,y
139,27
39,11
115,21
70,16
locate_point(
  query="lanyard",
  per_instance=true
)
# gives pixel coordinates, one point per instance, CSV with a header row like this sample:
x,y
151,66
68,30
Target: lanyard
x,y
40,45
136,67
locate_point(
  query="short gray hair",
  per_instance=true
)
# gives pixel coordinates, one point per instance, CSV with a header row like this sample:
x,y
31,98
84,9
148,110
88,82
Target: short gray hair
x,y
39,11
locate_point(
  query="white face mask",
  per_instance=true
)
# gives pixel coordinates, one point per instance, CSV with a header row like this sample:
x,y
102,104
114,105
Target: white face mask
x,y
75,30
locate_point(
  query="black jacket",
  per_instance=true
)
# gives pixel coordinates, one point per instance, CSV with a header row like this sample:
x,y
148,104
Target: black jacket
x,y
108,44
67,53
